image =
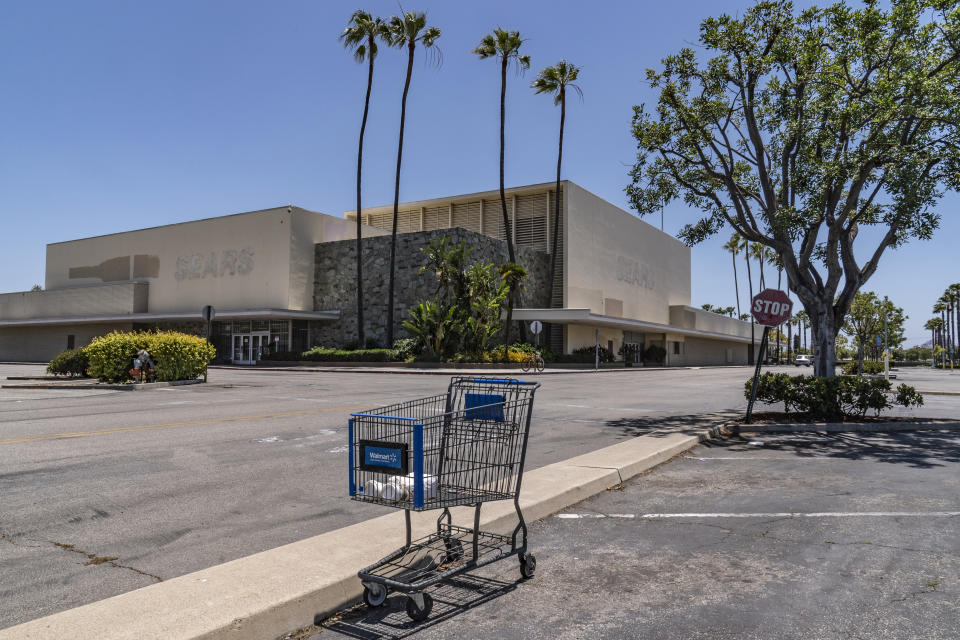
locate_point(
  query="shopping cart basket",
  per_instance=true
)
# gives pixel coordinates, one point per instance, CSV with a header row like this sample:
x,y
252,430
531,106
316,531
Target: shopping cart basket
x,y
464,447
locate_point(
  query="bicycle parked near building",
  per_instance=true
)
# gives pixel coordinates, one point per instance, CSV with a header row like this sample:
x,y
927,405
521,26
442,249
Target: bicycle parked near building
x,y
532,362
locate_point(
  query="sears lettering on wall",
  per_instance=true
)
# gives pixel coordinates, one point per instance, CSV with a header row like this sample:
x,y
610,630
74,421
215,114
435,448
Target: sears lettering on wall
x,y
215,265
634,273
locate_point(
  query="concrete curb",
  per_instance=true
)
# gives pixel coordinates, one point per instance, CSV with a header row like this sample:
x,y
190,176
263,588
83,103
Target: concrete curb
x,y
145,386
269,593
454,372
847,427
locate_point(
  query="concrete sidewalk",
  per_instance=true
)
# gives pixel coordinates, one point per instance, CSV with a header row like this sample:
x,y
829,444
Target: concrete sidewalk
x,y
288,587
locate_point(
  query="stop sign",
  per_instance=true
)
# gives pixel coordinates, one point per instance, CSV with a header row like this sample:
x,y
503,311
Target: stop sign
x,y
771,307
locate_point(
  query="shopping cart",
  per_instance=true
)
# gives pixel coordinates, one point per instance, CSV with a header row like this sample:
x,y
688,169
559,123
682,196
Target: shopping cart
x,y
464,447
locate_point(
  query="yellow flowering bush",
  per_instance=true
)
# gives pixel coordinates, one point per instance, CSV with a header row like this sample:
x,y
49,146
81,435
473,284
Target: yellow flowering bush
x,y
177,356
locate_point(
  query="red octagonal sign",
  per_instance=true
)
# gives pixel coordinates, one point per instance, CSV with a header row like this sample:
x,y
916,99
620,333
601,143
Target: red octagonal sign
x,y
771,307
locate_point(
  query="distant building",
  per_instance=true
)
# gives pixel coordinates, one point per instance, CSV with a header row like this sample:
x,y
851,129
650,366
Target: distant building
x,y
283,279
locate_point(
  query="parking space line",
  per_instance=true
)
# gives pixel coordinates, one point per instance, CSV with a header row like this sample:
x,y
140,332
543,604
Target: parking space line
x,y
172,425
772,514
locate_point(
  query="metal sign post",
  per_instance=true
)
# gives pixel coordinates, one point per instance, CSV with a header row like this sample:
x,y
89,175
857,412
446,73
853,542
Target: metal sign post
x,y
770,307
535,328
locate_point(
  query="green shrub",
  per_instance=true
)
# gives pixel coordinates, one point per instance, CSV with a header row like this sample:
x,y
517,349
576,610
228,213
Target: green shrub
x,y
323,354
177,356
406,348
72,362
654,353
869,367
831,398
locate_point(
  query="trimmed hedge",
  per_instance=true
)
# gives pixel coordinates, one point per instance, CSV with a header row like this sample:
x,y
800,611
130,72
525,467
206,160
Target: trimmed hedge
x,y
72,362
831,398
322,354
869,367
177,356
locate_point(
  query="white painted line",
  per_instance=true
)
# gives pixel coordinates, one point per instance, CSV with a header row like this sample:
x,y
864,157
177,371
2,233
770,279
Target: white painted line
x,y
772,514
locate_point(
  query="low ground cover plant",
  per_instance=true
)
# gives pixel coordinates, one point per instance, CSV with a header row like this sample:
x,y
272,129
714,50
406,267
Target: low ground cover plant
x,y
325,354
833,399
72,362
177,356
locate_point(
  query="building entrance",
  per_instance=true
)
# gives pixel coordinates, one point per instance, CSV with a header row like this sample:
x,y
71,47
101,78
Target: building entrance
x,y
248,348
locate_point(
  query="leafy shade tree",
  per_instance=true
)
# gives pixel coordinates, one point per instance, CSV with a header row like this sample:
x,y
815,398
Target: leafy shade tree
x,y
803,129
733,247
513,275
361,36
404,32
36,287
555,81
504,45
865,321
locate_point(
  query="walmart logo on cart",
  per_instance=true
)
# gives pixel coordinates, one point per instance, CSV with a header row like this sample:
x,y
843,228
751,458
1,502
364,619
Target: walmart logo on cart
x,y
383,457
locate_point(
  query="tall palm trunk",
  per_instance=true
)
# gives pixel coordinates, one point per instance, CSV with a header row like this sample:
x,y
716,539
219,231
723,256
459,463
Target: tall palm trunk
x,y
396,195
736,285
753,322
361,337
556,205
508,232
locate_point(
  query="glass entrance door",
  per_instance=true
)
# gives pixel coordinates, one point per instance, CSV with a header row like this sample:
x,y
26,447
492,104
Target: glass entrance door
x,y
248,348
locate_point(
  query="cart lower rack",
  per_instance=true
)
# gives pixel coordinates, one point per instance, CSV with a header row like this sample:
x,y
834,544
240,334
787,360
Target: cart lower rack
x,y
465,447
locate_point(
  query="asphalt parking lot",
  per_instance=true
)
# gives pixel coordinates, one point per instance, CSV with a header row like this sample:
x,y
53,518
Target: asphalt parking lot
x,y
108,491
800,536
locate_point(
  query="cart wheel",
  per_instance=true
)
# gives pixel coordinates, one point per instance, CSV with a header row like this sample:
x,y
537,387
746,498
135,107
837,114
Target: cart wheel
x,y
374,597
454,549
416,613
528,565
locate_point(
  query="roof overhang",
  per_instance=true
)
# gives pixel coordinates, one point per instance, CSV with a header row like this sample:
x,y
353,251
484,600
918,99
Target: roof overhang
x,y
192,316
587,318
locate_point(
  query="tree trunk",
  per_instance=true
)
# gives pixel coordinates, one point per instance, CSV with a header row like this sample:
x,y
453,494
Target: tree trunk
x,y
361,337
396,198
753,322
556,207
508,232
823,335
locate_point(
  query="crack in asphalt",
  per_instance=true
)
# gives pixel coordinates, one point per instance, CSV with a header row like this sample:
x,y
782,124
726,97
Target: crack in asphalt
x,y
94,559
8,538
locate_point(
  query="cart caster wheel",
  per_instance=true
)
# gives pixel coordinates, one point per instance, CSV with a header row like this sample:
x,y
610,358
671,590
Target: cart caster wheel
x,y
454,549
528,565
374,597
417,613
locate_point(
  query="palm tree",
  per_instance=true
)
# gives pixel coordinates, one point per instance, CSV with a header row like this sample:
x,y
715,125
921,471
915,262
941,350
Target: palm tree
x,y
804,323
514,275
504,45
934,326
759,252
555,80
733,246
941,308
404,31
361,35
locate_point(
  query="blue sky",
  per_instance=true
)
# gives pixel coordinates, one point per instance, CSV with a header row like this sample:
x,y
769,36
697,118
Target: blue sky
x,y
120,115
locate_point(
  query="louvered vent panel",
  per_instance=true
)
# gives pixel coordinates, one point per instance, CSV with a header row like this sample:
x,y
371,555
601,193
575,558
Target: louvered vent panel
x,y
467,215
493,219
531,221
408,221
381,220
435,218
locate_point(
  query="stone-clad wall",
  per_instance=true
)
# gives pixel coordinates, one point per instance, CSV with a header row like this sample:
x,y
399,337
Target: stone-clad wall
x,y
335,281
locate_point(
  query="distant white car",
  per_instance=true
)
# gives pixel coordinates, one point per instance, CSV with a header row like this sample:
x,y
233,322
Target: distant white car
x,y
803,359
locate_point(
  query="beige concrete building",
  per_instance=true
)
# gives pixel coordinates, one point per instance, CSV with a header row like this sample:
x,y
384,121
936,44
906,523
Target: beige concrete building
x,y
619,280
255,269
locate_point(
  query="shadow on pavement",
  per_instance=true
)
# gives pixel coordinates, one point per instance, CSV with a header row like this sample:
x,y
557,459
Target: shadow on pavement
x,y
390,621
660,426
919,449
